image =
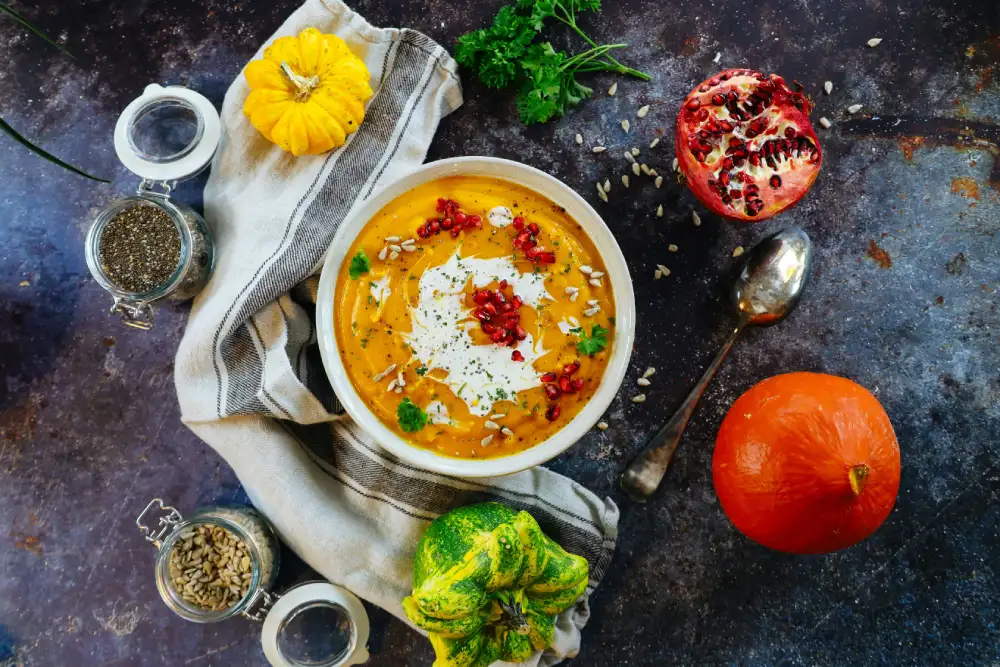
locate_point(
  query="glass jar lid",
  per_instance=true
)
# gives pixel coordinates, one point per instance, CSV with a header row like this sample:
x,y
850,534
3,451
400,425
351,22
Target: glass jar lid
x,y
167,134
316,624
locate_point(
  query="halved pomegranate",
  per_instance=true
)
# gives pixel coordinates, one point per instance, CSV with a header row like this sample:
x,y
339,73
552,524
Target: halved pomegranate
x,y
745,144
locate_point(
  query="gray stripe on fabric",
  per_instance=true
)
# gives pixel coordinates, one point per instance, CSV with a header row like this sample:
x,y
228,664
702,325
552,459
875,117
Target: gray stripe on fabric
x,y
244,386
323,215
337,452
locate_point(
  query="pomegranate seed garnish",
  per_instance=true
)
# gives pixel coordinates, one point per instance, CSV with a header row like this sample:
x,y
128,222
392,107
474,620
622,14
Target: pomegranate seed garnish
x,y
552,391
490,308
488,328
516,302
481,314
566,385
460,218
498,297
520,333
435,227
546,258
533,251
475,221
518,223
422,232
455,232
548,377
516,356
447,223
503,284
577,384
533,228
552,412
498,336
481,297
509,340
571,368
441,204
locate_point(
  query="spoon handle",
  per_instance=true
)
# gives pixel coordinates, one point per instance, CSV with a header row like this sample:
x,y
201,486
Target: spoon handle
x,y
642,477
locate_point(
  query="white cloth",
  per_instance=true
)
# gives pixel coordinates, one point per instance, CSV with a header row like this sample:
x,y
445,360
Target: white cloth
x,y
249,376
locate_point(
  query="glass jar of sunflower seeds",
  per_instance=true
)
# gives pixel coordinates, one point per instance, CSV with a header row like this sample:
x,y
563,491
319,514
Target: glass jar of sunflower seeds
x,y
150,246
221,562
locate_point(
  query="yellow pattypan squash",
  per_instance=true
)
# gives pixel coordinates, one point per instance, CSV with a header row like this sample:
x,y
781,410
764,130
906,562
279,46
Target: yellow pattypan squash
x,y
307,93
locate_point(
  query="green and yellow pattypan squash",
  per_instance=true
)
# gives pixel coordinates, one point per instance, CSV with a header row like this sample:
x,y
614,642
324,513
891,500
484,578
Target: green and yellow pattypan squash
x,y
487,585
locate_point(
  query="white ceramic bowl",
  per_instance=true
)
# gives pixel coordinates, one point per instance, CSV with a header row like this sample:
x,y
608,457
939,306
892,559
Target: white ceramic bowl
x,y
621,284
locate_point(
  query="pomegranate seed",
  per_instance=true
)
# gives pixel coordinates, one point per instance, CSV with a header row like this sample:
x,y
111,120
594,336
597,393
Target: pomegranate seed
x,y
699,156
577,384
552,412
498,336
751,211
752,190
460,218
704,134
481,296
726,199
533,251
745,177
488,328
520,333
775,181
529,244
693,104
726,126
548,377
727,164
422,232
447,223
566,384
718,100
703,115
516,302
481,314
755,159
736,194
790,132
714,81
503,284
516,356
510,319
441,204
498,297
509,340
455,232
475,221
546,258
490,308
571,368
533,228
724,178
435,227
552,391
518,223
732,97
704,88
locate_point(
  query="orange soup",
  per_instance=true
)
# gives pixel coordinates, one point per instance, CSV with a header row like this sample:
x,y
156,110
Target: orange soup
x,y
474,317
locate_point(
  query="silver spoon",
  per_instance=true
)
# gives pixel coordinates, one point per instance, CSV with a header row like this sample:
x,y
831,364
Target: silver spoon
x,y
768,287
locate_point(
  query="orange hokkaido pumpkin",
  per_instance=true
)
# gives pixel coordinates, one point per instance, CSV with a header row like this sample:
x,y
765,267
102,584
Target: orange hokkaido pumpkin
x,y
806,463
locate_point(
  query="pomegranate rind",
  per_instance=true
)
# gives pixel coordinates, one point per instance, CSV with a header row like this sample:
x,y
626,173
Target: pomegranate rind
x,y
763,110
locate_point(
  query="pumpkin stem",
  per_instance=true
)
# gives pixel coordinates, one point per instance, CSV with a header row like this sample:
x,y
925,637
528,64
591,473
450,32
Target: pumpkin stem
x,y
304,85
858,476
514,617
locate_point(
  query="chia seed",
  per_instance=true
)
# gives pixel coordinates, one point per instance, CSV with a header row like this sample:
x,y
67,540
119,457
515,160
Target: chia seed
x,y
140,248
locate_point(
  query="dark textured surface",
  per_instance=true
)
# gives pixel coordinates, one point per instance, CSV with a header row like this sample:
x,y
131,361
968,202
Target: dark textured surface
x,y
88,415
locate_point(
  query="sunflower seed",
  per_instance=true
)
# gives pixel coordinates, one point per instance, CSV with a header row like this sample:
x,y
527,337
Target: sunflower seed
x,y
875,41
648,372
573,297
394,248
572,290
399,390
737,251
392,239
653,173
626,125
593,302
635,168
600,188
506,432
409,242
597,274
695,218
635,151
664,270
498,415
492,425
657,275
598,149
658,182
654,142
383,253
613,89
392,385
675,165
659,211
607,185
854,108
629,158
717,58
603,426
590,312
585,268
595,282
487,440
399,380
579,138
643,382
825,123
409,248
625,180
381,376
828,87
672,248
603,195
643,110
393,255
644,168
595,307
641,398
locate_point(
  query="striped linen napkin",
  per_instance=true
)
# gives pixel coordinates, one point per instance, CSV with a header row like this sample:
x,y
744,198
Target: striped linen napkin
x,y
249,376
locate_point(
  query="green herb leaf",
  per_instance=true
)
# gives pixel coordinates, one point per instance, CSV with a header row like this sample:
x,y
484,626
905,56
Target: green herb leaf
x,y
595,342
360,265
422,371
411,417
495,53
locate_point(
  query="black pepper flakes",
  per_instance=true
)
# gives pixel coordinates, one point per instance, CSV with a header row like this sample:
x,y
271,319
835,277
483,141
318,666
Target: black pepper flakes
x,y
140,248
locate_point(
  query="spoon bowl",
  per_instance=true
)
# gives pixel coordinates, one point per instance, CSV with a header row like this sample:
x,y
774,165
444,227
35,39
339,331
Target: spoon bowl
x,y
767,288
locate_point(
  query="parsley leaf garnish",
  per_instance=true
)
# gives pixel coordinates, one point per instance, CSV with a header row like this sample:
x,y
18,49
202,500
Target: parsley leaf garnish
x,y
504,55
411,417
421,371
360,265
595,342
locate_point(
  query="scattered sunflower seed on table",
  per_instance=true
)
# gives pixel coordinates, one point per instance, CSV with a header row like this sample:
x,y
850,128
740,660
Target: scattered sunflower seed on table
x,y
629,158
874,41
635,168
648,372
626,125
603,426
625,180
825,123
613,89
828,87
635,152
641,398
658,182
672,248
695,218
643,110
737,251
643,382
654,142
579,138
854,108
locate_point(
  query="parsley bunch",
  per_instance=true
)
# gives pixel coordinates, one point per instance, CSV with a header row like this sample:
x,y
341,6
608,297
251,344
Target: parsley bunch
x,y
507,55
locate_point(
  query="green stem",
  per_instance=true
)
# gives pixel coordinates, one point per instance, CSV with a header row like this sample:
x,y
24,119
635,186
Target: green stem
x,y
614,64
8,130
587,56
27,24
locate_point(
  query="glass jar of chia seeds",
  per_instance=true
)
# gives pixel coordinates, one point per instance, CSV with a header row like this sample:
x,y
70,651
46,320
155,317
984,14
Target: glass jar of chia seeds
x,y
221,562
150,247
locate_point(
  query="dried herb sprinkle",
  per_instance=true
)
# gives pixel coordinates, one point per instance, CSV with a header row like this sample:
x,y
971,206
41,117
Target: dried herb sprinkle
x,y
140,248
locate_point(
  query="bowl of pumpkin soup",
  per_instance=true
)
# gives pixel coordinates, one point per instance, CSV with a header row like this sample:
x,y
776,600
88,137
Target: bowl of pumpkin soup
x,y
476,316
